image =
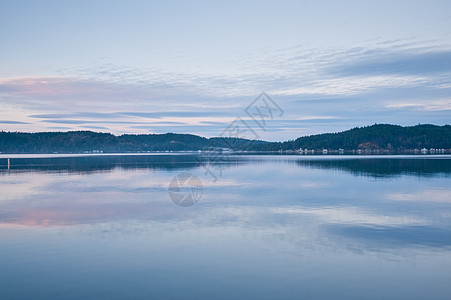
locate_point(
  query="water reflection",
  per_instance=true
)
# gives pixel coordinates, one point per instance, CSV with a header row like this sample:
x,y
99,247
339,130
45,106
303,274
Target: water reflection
x,y
385,167
375,166
264,191
276,222
405,236
87,164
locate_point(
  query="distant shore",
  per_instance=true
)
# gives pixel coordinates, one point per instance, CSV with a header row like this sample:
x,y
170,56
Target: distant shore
x,y
374,139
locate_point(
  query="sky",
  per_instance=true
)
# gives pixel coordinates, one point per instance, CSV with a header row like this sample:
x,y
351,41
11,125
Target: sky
x,y
195,66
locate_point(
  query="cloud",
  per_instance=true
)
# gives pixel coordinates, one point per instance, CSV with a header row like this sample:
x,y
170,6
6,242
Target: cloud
x,y
59,128
12,122
91,121
161,114
213,123
348,86
66,121
156,124
327,90
397,63
435,105
93,127
77,115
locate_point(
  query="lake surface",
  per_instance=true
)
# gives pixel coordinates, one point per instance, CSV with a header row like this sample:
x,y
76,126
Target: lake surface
x,y
263,227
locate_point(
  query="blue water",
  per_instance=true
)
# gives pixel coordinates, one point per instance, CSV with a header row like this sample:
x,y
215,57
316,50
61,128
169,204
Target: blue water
x,y
285,227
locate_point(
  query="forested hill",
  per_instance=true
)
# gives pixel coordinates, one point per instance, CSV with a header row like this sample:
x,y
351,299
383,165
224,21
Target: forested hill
x,y
88,141
375,137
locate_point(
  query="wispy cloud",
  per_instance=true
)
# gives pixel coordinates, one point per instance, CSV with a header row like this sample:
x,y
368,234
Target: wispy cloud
x,y
12,122
397,63
91,121
329,89
93,127
434,105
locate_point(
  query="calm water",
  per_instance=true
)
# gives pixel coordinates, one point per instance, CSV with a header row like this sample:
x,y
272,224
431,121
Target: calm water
x,y
286,227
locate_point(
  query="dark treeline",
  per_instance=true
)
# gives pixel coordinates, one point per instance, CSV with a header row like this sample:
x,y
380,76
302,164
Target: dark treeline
x,y
375,137
380,136
88,141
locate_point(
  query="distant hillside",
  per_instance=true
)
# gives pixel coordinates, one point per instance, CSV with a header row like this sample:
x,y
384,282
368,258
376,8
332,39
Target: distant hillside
x,y
375,137
88,141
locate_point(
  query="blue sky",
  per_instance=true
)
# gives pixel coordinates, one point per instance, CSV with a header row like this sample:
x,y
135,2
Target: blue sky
x,y
194,66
